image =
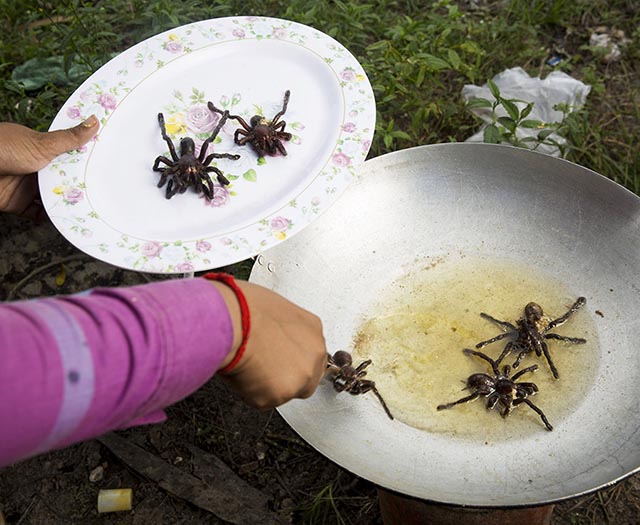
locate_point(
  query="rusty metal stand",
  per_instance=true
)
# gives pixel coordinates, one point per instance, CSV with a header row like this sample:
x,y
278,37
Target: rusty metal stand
x,y
397,509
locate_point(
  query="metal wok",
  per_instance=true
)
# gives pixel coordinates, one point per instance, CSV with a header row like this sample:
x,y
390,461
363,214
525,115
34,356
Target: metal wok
x,y
580,226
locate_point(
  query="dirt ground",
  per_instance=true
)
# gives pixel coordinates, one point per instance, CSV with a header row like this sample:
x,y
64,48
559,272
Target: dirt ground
x,y
298,484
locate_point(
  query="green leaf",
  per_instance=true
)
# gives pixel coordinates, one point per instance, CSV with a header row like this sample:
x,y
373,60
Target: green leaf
x,y
479,103
261,161
511,108
454,59
508,123
39,72
495,91
532,124
436,63
250,175
544,134
491,134
526,110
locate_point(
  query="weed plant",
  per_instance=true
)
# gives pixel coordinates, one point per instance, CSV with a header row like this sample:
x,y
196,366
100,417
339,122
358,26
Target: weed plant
x,y
418,55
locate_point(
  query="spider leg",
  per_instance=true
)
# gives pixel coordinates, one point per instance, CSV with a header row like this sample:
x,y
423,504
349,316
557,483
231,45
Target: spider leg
x,y
285,103
246,137
531,368
507,349
526,389
574,340
280,147
493,364
563,318
545,351
164,175
172,188
492,400
237,118
507,407
482,344
363,365
536,410
220,176
466,399
207,186
161,158
167,139
525,350
212,156
384,405
214,134
504,324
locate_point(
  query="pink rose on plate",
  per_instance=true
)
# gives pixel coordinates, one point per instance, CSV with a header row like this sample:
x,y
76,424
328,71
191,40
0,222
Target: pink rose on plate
x,y
221,196
150,249
73,195
238,33
200,120
366,144
185,266
279,224
203,246
107,101
279,33
74,112
340,159
348,74
173,46
349,127
226,241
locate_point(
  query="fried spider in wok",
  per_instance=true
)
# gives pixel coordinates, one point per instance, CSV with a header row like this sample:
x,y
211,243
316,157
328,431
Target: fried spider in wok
x,y
530,333
346,378
187,170
500,390
266,136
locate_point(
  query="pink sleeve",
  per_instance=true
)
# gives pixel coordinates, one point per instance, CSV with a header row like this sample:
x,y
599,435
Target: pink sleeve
x,y
75,367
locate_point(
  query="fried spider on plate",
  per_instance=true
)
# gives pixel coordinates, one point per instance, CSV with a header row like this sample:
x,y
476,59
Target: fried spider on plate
x,y
266,136
186,170
347,378
530,332
500,389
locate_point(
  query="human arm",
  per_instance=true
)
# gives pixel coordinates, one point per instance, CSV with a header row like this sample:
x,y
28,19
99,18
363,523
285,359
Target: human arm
x,y
79,366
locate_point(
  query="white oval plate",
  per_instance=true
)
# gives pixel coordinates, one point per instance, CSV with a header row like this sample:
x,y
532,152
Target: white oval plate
x,y
104,197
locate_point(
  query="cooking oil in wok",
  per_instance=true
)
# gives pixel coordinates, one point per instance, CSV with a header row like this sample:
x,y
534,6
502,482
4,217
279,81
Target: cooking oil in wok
x,y
426,318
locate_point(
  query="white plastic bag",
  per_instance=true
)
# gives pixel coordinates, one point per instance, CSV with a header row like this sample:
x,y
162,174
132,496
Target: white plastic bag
x,y
515,83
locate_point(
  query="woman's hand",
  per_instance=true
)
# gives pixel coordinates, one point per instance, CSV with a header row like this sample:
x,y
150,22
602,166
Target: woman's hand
x,y
285,357
23,152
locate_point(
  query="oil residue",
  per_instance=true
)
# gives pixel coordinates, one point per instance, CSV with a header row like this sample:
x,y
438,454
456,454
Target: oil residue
x,y
424,320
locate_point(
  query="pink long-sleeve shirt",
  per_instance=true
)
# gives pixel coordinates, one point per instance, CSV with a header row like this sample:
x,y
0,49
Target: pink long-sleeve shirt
x,y
75,367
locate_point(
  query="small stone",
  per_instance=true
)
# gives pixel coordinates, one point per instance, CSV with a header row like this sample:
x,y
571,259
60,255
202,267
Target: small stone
x,y
96,474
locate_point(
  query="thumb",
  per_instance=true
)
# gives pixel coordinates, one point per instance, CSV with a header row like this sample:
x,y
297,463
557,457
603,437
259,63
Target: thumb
x,y
57,142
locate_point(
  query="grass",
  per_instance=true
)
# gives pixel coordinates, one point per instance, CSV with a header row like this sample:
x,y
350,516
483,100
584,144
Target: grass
x,y
417,58
417,54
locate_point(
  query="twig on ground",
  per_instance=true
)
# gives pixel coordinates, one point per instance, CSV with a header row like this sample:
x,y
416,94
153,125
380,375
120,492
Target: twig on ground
x,y
12,293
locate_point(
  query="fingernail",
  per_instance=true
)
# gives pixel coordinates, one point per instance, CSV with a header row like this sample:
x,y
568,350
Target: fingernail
x,y
90,122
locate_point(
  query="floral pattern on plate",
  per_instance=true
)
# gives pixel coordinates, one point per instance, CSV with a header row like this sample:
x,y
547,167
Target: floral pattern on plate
x,y
67,189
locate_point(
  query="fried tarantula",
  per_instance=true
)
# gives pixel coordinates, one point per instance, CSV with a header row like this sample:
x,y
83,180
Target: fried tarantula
x,y
531,332
346,378
501,389
264,135
187,169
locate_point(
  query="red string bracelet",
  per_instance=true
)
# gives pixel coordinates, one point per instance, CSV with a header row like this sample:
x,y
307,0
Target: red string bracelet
x,y
244,315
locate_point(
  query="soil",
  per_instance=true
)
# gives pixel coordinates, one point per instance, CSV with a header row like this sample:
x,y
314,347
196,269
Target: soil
x,y
301,486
